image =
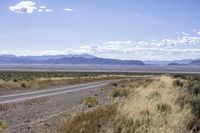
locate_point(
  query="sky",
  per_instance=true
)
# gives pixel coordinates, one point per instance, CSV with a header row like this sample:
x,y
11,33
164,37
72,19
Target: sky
x,y
121,29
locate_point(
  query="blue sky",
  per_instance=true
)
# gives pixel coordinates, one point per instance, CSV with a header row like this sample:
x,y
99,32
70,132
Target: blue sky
x,y
124,29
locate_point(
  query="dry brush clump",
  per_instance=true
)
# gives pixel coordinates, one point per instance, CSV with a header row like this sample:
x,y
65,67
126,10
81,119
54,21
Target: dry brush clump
x,y
90,101
88,122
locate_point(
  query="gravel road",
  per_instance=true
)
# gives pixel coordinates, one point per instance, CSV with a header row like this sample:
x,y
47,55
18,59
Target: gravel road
x,y
29,112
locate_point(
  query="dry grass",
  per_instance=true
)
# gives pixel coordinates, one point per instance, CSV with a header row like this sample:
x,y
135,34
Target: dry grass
x,y
158,98
87,122
151,105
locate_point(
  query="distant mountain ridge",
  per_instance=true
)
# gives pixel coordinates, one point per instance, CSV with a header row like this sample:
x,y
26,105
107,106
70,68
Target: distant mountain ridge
x,y
65,59
88,59
195,62
154,62
99,61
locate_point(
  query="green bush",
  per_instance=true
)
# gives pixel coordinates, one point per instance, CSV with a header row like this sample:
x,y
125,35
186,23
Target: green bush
x,y
193,87
114,84
196,88
119,93
23,85
130,125
15,80
195,104
153,95
182,100
90,101
178,83
163,107
2,125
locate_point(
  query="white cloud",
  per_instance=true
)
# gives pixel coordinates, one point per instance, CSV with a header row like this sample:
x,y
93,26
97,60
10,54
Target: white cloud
x,y
40,10
165,49
183,40
68,10
24,7
194,30
43,7
118,42
28,7
48,10
198,33
185,34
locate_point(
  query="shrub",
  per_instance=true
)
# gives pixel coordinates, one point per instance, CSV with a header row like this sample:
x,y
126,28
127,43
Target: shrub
x,y
125,125
23,85
2,125
145,112
153,95
182,100
114,84
194,125
88,122
195,104
15,80
193,87
177,83
163,107
90,101
196,89
147,82
130,125
119,93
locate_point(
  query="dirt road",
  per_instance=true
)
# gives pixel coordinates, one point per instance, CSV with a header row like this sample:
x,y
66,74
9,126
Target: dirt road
x,y
30,111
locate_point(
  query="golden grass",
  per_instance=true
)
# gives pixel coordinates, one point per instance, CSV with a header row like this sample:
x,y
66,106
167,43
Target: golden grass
x,y
152,105
86,122
164,95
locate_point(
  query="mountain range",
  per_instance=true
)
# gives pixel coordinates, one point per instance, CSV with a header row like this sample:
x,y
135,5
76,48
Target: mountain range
x,y
65,59
87,59
195,62
172,62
